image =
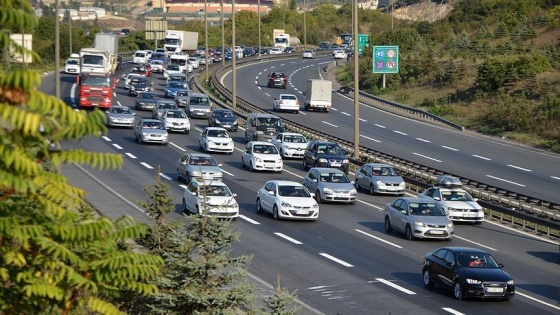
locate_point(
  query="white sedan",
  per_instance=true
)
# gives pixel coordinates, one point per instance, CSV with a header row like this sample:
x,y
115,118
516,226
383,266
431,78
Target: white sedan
x,y
215,139
261,156
210,198
275,51
176,120
287,200
286,102
339,54
290,144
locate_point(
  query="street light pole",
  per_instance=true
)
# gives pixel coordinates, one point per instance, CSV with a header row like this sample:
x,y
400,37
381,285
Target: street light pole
x,y
206,39
223,35
356,84
259,8
70,30
56,49
304,25
234,59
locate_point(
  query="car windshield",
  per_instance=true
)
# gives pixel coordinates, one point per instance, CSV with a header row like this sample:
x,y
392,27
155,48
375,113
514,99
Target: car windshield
x,y
218,133
153,125
175,85
334,178
293,191
269,123
148,96
123,110
294,139
478,260
329,149
384,171
265,149
166,105
456,196
173,67
183,93
138,81
289,97
216,190
72,62
199,100
176,114
203,160
425,209
157,62
224,114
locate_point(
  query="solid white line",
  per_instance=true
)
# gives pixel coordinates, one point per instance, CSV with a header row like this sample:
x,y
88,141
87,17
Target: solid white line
x,y
398,287
452,311
146,165
342,262
265,93
380,126
523,233
361,119
288,238
328,123
378,238
423,140
178,147
345,113
303,113
473,242
165,176
130,155
370,138
504,180
106,138
482,157
427,157
117,146
536,300
119,103
332,108
520,168
555,177
73,95
248,219
400,132
230,174
449,148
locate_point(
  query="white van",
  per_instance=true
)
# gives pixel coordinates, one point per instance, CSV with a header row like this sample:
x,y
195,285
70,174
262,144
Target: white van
x,y
72,64
141,57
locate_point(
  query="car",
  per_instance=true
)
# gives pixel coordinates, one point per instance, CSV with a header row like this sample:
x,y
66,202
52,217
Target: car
x,y
181,97
198,165
146,100
198,106
248,52
339,54
173,87
215,139
72,64
277,79
150,131
125,31
467,272
308,53
228,56
321,153
289,50
224,118
194,62
178,77
287,200
129,78
380,179
457,202
286,102
202,60
161,106
209,197
139,84
262,127
265,51
158,66
171,69
331,185
120,116
276,51
290,144
261,156
418,218
141,70
119,62
176,120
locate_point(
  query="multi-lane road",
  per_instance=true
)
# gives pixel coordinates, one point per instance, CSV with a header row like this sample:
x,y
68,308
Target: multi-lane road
x,y
344,263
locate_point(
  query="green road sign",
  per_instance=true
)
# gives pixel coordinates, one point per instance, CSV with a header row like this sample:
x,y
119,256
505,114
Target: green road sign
x,y
386,59
363,41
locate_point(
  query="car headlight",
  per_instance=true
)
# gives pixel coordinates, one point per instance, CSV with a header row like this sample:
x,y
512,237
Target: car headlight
x,y
258,160
379,183
323,160
473,281
353,192
419,223
285,204
279,161
450,224
145,133
345,161
403,184
452,209
196,173
142,103
217,121
327,190
510,282
315,206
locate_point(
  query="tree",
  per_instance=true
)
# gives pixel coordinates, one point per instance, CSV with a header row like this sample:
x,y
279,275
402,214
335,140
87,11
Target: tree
x,y
280,301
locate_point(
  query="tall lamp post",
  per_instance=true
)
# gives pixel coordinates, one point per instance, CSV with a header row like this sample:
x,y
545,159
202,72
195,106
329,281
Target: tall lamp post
x,y
234,59
356,83
259,13
206,39
70,30
223,35
56,50
304,25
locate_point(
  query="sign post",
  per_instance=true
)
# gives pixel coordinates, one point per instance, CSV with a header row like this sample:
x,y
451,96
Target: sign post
x,y
385,60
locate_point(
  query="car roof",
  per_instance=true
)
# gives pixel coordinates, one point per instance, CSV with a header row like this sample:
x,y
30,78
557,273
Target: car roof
x,y
286,94
215,128
291,134
327,169
199,154
150,120
264,115
212,183
378,165
199,94
464,250
325,142
417,199
119,106
148,92
285,182
260,142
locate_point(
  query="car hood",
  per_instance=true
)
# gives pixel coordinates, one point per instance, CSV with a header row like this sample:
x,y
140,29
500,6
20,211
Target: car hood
x,y
226,119
295,145
219,139
431,220
299,201
484,274
147,100
221,201
174,88
141,85
155,131
177,120
389,179
267,156
337,186
200,107
462,204
330,156
122,116
204,169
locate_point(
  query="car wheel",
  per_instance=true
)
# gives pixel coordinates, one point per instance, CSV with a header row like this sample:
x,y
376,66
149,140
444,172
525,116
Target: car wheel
x,y
187,179
318,196
187,131
200,147
275,213
306,107
458,290
428,283
408,233
371,189
184,208
357,185
388,227
304,164
259,206
242,162
251,166
179,176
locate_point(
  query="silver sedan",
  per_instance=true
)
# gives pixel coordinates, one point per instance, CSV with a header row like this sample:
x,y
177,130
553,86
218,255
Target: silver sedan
x,y
330,184
198,165
120,116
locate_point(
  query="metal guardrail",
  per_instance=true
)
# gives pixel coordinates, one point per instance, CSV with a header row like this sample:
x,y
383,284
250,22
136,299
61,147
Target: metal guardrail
x,y
501,204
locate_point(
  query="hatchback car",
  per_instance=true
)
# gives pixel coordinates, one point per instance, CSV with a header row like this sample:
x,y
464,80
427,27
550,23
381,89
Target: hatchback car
x,y
287,200
128,79
120,116
339,54
277,79
380,179
276,51
210,198
150,130
290,144
141,70
215,139
182,97
418,218
198,165
198,105
308,54
161,106
286,102
139,84
158,66
176,120
468,272
261,156
170,70
146,100
173,87
330,185
224,118
320,153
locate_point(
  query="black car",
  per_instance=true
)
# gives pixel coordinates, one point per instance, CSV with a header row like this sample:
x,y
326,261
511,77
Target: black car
x,y
277,79
289,50
119,62
320,153
139,84
248,52
468,272
224,118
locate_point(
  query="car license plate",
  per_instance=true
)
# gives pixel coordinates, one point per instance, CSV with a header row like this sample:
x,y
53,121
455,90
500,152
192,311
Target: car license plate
x,y
495,290
391,188
335,164
303,212
437,232
269,165
470,215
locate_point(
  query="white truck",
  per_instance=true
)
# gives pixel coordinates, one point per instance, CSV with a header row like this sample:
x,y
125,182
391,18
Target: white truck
x,y
95,60
318,95
109,42
177,42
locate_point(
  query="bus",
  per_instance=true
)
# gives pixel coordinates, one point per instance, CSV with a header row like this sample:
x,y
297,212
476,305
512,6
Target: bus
x,y
346,39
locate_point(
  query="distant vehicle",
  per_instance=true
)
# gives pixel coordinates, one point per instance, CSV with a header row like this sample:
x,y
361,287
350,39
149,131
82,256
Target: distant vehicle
x,y
248,52
215,139
339,54
380,179
182,97
290,144
224,118
207,197
318,96
150,130
261,156
120,116
276,51
141,57
289,50
173,87
286,102
418,218
262,127
346,39
146,100
277,79
330,185
139,84
171,69
198,165
176,120
158,66
178,77
321,153
308,54
72,64
287,200
141,70
194,62
198,105
129,77
161,106
125,31
468,272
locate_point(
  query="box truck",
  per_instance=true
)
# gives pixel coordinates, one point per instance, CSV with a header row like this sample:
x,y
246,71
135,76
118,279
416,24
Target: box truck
x,y
109,42
177,42
318,95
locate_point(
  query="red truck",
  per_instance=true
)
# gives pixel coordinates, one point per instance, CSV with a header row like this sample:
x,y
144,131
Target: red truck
x,y
95,90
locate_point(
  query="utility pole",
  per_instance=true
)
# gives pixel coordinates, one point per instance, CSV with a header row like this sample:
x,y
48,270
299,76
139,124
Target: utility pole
x,y
206,64
70,30
234,60
356,84
56,50
259,8
223,35
304,25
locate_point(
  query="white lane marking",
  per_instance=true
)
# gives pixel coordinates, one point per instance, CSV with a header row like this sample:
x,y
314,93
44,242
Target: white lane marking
x,y
106,138
178,147
183,186
536,300
370,138
117,146
328,123
423,140
130,155
230,174
260,88
332,108
515,230
265,93
449,148
361,119
505,180
400,132
555,177
324,62
165,176
452,311
345,113
119,103
73,95
320,287
398,287
426,157
481,157
286,237
146,165
342,262
248,219
380,126
378,238
371,205
473,242
520,168
303,113
256,82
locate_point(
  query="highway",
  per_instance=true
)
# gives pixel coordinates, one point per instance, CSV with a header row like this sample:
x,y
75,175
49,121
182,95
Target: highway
x,y
342,264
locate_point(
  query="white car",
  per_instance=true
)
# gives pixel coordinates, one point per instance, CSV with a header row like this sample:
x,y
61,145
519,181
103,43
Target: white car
x,y
129,77
308,53
287,200
261,156
72,64
193,61
275,51
157,66
286,102
290,144
339,54
171,69
215,139
210,198
176,120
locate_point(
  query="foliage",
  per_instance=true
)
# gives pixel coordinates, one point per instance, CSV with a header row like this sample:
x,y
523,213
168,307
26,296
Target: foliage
x,y
280,301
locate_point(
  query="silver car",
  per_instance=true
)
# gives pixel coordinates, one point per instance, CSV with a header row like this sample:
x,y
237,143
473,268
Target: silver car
x,y
380,179
198,165
182,97
150,130
330,184
161,106
418,218
120,116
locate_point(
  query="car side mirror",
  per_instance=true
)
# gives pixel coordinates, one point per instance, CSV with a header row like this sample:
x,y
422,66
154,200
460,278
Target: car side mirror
x,y
312,194
234,195
475,199
271,192
220,165
193,193
403,211
437,198
501,265
279,140
314,180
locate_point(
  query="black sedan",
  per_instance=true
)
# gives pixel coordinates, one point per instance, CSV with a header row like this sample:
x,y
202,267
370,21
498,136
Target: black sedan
x,y
224,118
468,272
